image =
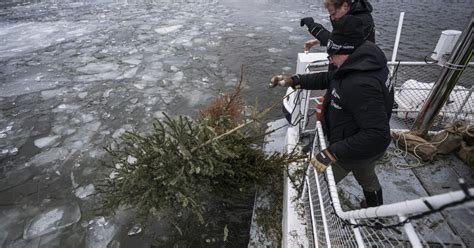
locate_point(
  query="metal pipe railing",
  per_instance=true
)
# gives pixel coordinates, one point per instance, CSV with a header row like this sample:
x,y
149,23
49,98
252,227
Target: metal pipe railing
x,y
411,233
394,209
448,78
397,37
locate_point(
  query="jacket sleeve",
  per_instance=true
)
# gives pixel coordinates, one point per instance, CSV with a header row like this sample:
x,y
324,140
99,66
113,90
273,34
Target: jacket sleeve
x,y
312,81
367,106
323,37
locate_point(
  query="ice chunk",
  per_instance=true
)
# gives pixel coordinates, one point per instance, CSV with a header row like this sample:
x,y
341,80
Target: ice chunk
x,y
136,229
66,108
178,77
100,233
250,35
296,37
121,131
49,156
196,97
130,73
107,93
139,86
132,61
73,181
47,94
52,220
94,68
63,130
87,118
114,244
274,50
8,151
168,29
7,128
82,95
84,191
46,141
131,159
35,35
13,151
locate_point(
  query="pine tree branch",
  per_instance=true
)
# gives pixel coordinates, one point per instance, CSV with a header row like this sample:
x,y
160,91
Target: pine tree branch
x,y
260,115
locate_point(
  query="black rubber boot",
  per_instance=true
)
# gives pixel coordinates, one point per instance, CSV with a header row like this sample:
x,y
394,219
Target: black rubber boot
x,y
372,199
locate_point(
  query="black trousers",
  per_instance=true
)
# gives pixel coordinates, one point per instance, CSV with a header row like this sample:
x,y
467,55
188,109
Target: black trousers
x,y
363,170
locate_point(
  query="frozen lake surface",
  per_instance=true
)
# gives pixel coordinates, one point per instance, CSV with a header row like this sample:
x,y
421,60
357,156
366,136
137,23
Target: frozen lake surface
x,y
75,75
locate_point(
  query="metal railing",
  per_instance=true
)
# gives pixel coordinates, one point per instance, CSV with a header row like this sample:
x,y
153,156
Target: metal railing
x,y
384,226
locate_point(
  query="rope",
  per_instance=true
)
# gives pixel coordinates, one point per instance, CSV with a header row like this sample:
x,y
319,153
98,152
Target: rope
x,y
403,153
399,153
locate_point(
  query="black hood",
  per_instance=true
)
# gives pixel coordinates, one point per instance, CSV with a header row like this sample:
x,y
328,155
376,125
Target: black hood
x,y
359,7
367,57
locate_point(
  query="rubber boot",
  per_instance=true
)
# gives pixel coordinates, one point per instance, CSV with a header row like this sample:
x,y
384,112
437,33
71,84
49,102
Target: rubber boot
x,y
372,199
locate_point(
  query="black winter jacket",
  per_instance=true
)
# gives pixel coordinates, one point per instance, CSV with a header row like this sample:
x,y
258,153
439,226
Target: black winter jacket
x,y
356,118
361,9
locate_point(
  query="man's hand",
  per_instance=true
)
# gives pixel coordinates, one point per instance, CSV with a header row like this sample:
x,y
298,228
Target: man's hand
x,y
281,80
323,160
310,43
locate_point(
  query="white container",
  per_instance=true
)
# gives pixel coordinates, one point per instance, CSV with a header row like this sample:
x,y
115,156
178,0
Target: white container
x,y
445,45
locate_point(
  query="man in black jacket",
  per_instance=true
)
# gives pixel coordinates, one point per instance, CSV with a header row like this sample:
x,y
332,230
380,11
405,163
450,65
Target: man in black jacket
x,y
357,113
362,9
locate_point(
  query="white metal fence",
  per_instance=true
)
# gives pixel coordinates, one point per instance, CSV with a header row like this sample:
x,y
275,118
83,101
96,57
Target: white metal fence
x,y
415,223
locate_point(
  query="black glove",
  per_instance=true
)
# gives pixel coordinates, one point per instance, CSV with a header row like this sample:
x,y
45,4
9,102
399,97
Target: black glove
x,y
308,21
323,160
313,28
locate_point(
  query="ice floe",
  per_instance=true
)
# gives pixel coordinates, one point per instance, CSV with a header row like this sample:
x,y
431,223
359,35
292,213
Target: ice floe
x,y
100,233
84,191
46,141
168,29
52,220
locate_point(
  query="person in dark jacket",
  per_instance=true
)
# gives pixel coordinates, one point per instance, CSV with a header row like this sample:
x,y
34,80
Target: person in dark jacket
x,y
356,118
337,9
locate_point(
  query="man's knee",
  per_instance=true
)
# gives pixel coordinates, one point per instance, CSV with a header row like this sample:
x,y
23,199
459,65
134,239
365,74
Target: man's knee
x,y
339,172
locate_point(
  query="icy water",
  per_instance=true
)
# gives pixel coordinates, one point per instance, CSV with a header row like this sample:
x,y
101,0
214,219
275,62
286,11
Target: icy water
x,y
75,75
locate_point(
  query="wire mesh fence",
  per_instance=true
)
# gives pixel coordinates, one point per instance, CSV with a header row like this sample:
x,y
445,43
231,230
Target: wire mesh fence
x,y
413,84
324,228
